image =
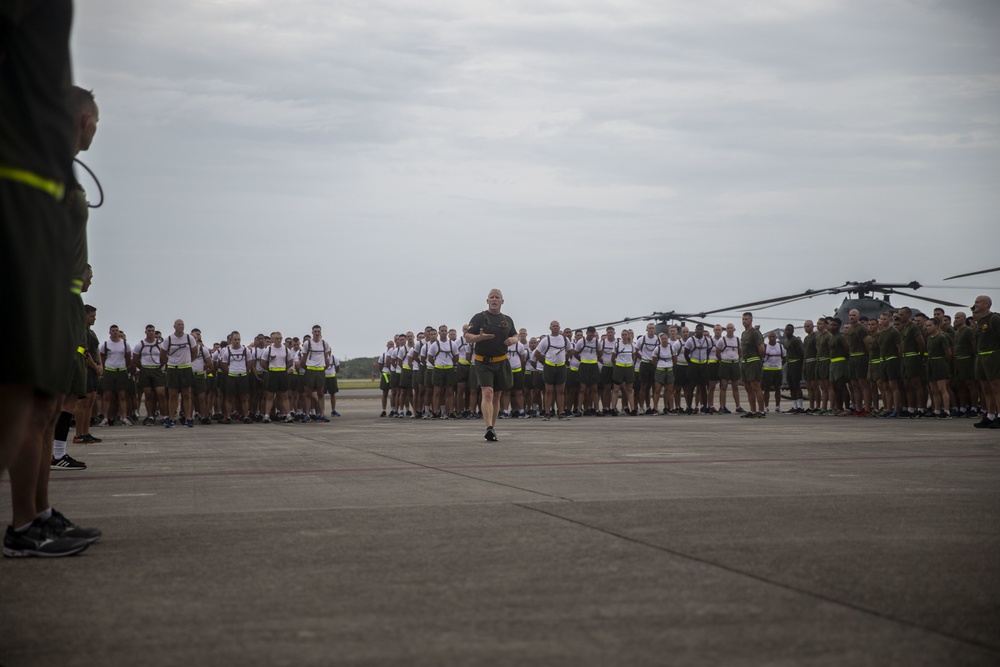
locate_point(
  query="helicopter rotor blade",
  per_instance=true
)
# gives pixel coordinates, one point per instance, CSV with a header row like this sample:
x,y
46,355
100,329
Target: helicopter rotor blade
x,y
974,273
929,299
777,301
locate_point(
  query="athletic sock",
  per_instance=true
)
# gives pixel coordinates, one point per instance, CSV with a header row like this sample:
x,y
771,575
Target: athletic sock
x,y
62,426
58,449
44,515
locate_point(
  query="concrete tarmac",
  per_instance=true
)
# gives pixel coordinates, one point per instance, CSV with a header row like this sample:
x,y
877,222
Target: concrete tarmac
x,y
702,540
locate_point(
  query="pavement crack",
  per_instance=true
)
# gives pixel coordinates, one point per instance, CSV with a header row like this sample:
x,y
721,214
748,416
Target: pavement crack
x,y
771,582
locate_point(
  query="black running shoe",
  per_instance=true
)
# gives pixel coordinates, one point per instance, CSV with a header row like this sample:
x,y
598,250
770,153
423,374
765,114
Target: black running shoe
x,y
66,462
491,435
66,528
40,540
986,422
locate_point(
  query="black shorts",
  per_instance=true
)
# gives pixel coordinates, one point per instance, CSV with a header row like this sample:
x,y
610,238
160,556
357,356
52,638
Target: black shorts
x,y
697,375
276,381
331,385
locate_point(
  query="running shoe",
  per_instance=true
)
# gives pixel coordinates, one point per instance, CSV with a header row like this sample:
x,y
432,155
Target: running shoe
x,y
67,462
168,423
491,435
740,411
63,527
189,423
40,540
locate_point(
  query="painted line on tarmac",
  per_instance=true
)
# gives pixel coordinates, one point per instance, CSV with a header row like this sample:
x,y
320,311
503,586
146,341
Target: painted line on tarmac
x,y
507,466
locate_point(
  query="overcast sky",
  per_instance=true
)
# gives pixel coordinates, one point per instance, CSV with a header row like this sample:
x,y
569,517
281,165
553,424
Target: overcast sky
x,y
379,166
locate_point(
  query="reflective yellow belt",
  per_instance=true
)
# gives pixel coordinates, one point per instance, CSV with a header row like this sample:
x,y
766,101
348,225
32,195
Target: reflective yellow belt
x,y
549,363
695,361
810,359
964,357
794,361
623,365
76,286
824,358
747,361
315,368
463,362
405,368
889,358
875,361
180,366
937,357
47,185
200,373
275,369
114,370
836,359
443,368
911,354
772,368
516,370
857,354
713,361
588,361
575,370
490,360
983,353
82,350
237,375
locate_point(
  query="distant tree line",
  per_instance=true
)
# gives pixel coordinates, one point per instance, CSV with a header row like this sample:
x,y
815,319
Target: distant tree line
x,y
360,368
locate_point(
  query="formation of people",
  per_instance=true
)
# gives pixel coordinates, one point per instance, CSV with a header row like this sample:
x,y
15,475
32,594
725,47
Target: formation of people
x,y
182,380
901,365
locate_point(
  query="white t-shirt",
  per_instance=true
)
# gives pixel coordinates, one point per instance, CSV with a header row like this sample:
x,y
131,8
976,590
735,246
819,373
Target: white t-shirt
x,y
114,353
699,348
331,370
314,354
198,361
178,349
148,353
515,353
278,358
587,349
554,349
665,356
773,355
728,347
441,354
625,353
606,348
236,358
647,347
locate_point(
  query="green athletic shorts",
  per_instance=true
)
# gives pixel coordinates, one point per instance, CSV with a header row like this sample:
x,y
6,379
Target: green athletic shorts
x,y
330,385
517,375
793,373
809,370
822,369
713,371
276,381
647,372
405,379
729,370
874,370
115,381
588,374
538,380
988,365
697,375
623,374
151,378
221,383
444,377
857,367
497,376
463,373
200,384
838,370
554,374
316,379
680,375
572,378
752,370
237,385
607,375
890,369
912,367
965,369
664,376
770,378
383,382
938,369
180,378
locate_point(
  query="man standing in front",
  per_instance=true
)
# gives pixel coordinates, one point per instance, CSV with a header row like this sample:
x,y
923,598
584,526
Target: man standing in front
x,y
752,343
987,359
491,332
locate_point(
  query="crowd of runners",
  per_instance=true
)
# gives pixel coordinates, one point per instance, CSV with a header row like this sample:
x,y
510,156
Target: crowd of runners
x,y
901,365
182,380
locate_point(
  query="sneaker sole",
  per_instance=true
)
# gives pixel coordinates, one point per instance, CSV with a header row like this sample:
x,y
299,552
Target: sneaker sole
x,y
31,553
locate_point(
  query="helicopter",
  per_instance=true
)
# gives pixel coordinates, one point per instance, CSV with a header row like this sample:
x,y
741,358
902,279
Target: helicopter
x,y
864,302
